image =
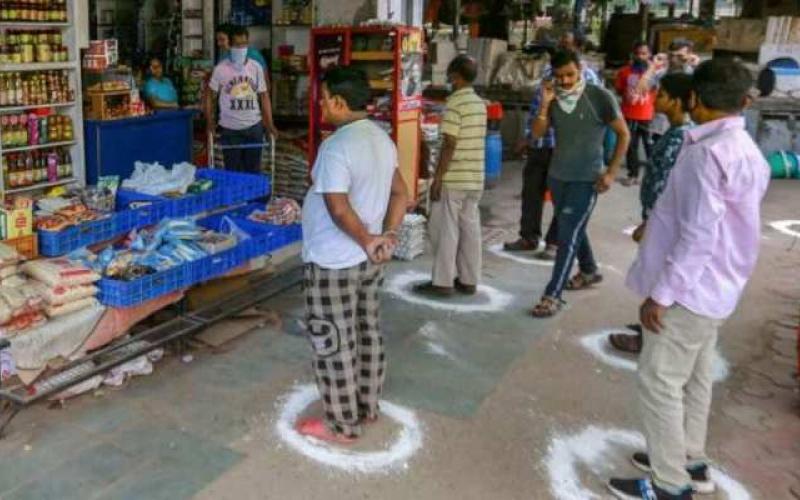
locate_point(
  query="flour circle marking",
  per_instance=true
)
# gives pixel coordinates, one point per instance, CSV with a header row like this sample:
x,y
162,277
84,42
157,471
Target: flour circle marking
x,y
784,226
500,252
400,285
594,449
408,442
597,344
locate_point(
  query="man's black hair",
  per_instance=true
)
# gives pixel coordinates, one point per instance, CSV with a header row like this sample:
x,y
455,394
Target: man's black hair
x,y
722,84
224,28
350,84
465,67
565,57
678,86
681,43
640,43
238,31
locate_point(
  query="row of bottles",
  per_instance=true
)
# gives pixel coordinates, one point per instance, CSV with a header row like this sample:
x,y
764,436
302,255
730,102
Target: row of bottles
x,y
36,167
31,129
45,11
35,88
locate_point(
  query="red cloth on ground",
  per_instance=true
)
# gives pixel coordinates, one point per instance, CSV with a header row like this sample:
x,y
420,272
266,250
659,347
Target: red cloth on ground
x,y
117,321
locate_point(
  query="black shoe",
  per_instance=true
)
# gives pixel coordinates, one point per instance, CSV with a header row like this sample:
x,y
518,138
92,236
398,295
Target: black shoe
x,y
643,489
700,474
464,289
428,288
635,327
521,245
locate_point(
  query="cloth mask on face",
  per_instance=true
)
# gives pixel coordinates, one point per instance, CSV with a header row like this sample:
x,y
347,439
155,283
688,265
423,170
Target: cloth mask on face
x,y
239,56
568,99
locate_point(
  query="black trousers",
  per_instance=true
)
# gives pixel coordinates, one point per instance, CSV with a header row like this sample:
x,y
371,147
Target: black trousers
x,y
242,159
534,186
640,132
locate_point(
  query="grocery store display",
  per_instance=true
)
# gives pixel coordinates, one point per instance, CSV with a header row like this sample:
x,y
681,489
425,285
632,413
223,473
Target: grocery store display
x,y
43,11
29,46
33,129
35,88
35,167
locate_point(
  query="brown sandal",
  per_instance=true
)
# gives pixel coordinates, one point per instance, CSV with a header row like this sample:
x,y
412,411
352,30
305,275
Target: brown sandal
x,y
583,281
625,342
547,307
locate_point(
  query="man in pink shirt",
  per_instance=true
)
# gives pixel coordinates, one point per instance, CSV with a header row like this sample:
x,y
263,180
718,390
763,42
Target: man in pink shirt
x,y
699,250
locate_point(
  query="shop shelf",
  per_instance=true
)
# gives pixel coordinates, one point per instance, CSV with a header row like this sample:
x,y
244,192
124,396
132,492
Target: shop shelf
x,y
45,185
40,146
12,109
38,66
237,187
33,24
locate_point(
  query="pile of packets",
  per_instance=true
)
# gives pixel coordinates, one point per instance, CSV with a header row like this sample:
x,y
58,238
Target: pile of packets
x,y
281,212
33,291
410,237
58,212
171,243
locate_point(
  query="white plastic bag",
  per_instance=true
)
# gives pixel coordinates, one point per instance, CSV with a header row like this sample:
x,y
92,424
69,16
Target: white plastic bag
x,y
154,179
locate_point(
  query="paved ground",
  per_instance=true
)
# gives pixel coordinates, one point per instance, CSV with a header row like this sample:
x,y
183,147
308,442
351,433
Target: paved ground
x,y
491,390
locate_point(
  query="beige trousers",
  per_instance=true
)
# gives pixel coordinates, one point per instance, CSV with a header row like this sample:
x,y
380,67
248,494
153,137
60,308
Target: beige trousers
x,y
455,230
675,380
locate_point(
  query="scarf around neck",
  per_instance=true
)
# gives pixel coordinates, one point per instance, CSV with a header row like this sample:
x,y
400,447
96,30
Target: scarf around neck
x,y
568,99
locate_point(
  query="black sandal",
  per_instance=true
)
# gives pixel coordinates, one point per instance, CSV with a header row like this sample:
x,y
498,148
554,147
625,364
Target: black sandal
x,y
547,307
583,281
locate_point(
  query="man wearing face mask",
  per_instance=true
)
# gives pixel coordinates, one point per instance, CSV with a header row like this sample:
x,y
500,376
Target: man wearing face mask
x,y
239,86
534,176
580,112
638,107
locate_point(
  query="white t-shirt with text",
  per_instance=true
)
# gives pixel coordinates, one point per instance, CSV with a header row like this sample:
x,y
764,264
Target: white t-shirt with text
x,y
238,91
358,159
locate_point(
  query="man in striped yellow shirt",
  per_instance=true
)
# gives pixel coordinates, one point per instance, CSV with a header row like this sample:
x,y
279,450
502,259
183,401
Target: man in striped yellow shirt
x,y
457,187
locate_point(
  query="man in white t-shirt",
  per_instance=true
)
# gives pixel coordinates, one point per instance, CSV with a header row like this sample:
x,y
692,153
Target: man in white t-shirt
x,y
356,201
239,86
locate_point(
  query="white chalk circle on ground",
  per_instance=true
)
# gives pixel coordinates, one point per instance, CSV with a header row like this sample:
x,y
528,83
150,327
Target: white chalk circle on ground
x,y
518,257
597,450
488,298
408,442
597,344
784,226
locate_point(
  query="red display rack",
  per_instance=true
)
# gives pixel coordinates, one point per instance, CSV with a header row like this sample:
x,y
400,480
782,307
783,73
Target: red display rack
x,y
392,57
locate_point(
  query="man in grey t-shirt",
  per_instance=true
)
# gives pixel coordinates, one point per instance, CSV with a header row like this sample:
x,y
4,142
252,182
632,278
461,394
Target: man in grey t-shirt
x,y
579,113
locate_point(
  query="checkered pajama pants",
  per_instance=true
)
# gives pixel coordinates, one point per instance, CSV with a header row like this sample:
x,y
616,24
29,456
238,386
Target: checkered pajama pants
x,y
343,312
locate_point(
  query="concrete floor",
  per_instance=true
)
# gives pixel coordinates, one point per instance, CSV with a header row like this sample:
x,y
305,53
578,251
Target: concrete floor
x,y
491,391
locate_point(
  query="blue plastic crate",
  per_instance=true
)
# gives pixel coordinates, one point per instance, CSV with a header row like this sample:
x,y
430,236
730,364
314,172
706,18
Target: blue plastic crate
x,y
185,206
220,263
118,293
58,243
237,187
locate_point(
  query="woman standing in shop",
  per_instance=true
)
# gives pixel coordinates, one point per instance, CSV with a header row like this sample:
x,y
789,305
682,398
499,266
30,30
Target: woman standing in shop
x,y
159,92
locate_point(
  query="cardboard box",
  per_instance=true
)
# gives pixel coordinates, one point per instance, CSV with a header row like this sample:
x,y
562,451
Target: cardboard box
x,y
16,220
17,223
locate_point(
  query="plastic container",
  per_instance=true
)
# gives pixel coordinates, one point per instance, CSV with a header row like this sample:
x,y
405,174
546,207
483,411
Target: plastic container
x,y
58,243
784,165
185,206
494,156
237,187
118,293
